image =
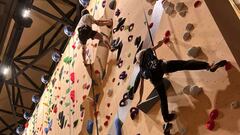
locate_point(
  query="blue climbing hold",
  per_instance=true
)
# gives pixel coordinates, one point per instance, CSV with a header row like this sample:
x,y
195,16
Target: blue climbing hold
x,y
20,129
26,115
68,30
84,3
90,127
118,125
56,56
46,130
35,99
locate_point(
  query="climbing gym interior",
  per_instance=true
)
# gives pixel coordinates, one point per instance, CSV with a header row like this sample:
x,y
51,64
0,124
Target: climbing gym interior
x,y
52,83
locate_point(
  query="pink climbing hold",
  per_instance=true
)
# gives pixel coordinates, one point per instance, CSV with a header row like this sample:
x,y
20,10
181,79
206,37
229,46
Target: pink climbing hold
x,y
72,95
150,25
213,114
167,33
210,125
228,66
197,4
72,77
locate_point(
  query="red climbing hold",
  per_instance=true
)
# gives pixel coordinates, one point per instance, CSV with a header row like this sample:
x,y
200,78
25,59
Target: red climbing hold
x,y
113,80
26,125
72,95
86,86
84,97
55,109
167,33
72,77
228,66
150,25
68,125
74,45
210,125
197,3
106,123
108,104
97,72
213,114
166,40
107,117
96,113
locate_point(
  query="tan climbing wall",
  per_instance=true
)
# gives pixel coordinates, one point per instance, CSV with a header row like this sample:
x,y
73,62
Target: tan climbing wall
x,y
220,88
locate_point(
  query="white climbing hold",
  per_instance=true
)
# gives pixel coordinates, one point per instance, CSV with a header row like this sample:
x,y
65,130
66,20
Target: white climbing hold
x,y
235,104
110,92
194,52
193,90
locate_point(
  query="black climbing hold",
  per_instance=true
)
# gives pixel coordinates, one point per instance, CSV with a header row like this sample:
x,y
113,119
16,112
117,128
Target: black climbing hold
x,y
122,28
118,12
125,96
122,103
133,112
112,4
121,22
131,26
137,41
75,123
130,38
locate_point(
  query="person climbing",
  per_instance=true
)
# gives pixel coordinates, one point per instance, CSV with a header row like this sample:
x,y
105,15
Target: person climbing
x,y
85,31
153,68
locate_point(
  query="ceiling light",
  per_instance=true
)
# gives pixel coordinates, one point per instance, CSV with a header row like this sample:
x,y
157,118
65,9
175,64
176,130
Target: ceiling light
x,y
26,13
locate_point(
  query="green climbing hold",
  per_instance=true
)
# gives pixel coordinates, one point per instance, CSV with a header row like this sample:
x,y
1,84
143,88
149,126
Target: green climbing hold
x,y
128,67
129,87
67,60
73,63
67,104
68,90
67,81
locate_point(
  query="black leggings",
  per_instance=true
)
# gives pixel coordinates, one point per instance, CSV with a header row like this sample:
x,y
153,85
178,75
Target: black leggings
x,y
173,66
179,65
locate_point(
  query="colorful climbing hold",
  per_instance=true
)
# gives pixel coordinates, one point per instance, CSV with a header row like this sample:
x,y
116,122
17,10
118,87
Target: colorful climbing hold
x,y
72,77
210,125
150,25
167,33
197,4
72,95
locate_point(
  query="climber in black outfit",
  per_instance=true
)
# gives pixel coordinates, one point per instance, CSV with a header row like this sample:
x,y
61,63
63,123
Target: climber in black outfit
x,y
154,69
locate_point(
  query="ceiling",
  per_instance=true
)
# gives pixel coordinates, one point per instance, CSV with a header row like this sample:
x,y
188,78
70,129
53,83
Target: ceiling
x,y
44,36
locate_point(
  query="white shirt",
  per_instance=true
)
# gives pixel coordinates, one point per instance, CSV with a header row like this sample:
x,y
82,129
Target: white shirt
x,y
86,20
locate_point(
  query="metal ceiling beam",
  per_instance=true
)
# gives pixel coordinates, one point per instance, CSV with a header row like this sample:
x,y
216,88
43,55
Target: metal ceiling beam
x,y
6,124
60,11
33,67
11,48
42,54
22,87
51,16
6,128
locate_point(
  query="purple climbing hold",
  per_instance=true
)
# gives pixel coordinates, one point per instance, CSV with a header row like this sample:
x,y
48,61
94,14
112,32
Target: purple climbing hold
x,y
123,75
118,12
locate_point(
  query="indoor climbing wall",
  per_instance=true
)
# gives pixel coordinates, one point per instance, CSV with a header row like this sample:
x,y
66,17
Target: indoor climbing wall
x,y
73,103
